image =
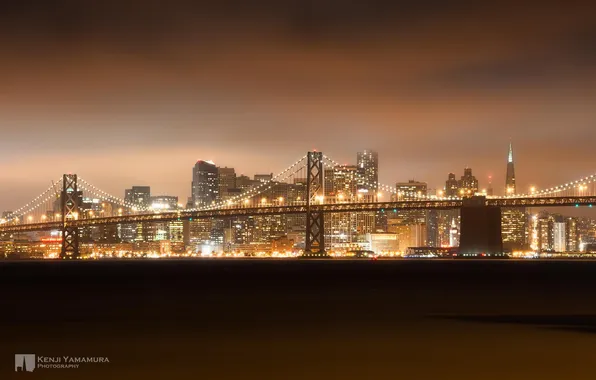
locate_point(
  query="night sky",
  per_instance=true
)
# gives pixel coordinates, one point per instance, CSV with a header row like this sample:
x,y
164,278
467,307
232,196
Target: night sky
x,y
134,92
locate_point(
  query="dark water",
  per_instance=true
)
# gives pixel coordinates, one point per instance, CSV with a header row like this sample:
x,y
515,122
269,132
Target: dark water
x,y
269,319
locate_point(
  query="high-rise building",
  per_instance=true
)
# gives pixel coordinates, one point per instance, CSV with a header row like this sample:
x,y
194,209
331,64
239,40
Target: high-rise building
x,y
341,184
344,182
572,234
451,186
367,163
510,187
140,196
433,229
411,190
414,219
205,186
468,184
166,230
545,237
514,227
514,221
453,234
368,166
227,182
559,237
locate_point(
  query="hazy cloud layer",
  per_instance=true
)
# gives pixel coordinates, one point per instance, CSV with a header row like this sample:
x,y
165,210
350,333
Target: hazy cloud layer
x,y
131,92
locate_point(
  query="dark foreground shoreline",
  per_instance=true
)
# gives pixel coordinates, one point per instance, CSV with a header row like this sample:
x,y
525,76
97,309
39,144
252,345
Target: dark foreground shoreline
x,y
298,319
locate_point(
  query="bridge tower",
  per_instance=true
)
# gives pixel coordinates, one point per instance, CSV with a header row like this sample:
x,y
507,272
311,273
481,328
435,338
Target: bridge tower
x,y
480,229
69,199
315,226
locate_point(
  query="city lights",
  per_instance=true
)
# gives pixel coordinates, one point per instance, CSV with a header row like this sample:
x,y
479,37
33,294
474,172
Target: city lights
x,y
351,185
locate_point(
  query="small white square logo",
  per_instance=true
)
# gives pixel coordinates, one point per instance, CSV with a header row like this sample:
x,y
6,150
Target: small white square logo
x,y
24,362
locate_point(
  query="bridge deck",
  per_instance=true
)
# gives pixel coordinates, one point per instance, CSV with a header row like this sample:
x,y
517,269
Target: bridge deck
x,y
300,209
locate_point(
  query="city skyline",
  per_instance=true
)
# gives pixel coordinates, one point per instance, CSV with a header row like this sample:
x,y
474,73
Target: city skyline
x,y
495,177
135,93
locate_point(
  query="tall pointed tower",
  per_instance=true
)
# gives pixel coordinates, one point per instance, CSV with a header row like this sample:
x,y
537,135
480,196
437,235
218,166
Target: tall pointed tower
x,y
510,181
513,220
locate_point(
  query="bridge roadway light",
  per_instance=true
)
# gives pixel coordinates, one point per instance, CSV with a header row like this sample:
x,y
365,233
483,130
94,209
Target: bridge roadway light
x,y
280,199
43,217
29,218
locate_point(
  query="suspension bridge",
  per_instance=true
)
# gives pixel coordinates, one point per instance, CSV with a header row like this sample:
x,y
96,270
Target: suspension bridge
x,y
59,206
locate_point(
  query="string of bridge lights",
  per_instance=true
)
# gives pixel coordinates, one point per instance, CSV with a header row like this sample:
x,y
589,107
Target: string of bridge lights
x,y
40,202
33,204
112,200
100,193
255,190
42,198
580,184
94,192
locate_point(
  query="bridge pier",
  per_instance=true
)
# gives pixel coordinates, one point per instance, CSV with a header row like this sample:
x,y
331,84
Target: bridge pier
x,y
70,211
480,229
315,221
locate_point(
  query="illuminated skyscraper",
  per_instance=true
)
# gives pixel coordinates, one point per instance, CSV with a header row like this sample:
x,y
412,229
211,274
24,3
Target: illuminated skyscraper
x,y
451,186
205,185
572,234
559,237
368,167
514,221
510,179
139,196
453,234
226,182
468,184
